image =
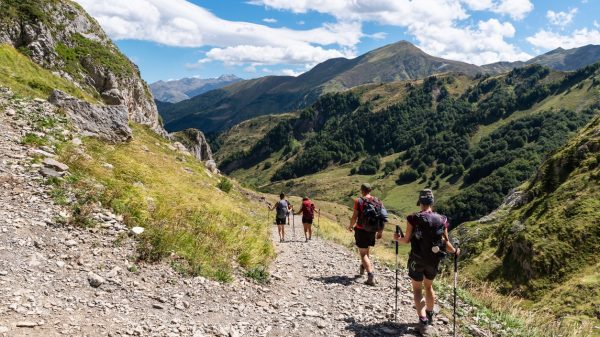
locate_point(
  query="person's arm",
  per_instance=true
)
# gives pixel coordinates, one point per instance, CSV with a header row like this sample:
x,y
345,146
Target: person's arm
x,y
353,220
300,211
407,235
449,247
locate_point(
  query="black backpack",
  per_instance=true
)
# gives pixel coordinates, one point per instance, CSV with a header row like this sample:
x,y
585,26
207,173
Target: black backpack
x,y
428,233
373,215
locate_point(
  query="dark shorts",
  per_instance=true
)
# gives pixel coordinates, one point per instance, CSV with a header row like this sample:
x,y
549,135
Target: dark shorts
x,y
280,221
363,238
418,269
307,220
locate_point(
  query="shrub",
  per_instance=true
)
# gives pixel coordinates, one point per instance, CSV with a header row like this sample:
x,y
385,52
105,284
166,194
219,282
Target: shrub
x,y
407,176
225,185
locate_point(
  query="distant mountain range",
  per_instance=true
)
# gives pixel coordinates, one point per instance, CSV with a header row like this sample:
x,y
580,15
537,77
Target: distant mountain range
x,y
220,109
186,88
557,59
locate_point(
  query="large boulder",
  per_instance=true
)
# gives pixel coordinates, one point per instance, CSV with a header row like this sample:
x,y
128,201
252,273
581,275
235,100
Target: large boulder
x,y
107,122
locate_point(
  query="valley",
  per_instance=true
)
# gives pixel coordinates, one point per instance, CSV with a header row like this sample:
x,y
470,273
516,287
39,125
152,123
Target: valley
x,y
129,209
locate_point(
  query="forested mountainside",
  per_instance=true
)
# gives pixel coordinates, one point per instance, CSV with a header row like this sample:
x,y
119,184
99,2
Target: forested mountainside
x,y
542,244
221,109
474,139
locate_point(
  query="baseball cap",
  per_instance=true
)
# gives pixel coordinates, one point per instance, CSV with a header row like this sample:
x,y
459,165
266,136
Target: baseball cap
x,y
425,197
365,186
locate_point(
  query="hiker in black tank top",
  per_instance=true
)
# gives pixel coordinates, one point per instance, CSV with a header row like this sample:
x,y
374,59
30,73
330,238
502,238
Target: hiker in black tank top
x,y
427,233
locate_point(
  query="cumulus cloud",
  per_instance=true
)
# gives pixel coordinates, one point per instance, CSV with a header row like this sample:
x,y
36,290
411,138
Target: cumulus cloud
x,y
183,24
441,27
269,55
437,25
291,72
550,40
269,20
561,18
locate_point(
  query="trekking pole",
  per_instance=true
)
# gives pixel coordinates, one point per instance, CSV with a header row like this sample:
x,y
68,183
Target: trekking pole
x,y
399,232
455,284
318,222
294,225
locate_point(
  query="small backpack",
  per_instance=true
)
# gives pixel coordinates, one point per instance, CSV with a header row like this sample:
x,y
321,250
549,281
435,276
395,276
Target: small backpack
x,y
308,209
373,215
428,233
282,209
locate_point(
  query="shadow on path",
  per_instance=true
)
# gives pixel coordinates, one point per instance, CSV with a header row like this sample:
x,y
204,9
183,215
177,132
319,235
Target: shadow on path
x,y
391,329
343,280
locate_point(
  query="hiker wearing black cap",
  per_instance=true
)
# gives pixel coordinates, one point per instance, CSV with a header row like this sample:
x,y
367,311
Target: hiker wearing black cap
x,y
283,208
308,215
364,234
427,233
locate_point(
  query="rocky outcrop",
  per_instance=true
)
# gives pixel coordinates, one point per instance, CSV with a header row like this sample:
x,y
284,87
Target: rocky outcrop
x,y
106,122
195,141
60,36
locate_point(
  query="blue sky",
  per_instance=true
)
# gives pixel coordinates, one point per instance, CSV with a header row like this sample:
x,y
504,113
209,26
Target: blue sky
x,y
171,39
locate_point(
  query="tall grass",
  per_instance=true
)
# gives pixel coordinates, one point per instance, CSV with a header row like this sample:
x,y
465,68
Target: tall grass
x,y
203,230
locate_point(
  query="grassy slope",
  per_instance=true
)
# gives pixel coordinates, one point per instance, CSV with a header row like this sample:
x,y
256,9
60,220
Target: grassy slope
x,y
559,224
28,79
167,192
244,135
176,200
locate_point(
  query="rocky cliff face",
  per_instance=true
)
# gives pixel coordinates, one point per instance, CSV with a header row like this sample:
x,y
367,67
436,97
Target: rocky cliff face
x,y
195,142
60,36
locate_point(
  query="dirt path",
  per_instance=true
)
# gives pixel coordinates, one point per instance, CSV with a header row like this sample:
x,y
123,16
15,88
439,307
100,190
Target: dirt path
x,y
62,281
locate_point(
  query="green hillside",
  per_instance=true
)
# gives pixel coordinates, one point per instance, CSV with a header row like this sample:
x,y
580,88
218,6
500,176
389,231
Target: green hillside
x,y
471,139
223,108
545,250
226,107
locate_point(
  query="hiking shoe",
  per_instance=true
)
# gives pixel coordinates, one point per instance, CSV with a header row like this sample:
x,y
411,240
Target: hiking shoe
x,y
361,270
424,327
371,281
430,315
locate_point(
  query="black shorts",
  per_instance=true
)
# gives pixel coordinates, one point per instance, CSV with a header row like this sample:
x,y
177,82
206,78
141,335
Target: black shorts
x,y
307,220
418,269
280,221
363,238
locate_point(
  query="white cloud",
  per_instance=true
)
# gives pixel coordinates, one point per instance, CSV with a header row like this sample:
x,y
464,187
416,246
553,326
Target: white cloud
x,y
291,72
269,20
301,23
550,40
437,25
561,18
377,36
268,55
183,24
482,44
596,24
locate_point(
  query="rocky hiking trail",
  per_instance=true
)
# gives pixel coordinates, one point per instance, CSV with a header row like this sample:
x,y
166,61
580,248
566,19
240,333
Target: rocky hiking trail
x,y
57,280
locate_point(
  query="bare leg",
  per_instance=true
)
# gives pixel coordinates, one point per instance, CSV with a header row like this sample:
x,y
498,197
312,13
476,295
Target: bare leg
x,y
309,231
418,297
429,294
306,226
364,257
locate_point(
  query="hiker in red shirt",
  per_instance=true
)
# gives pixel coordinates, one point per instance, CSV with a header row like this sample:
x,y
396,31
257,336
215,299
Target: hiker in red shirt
x,y
308,215
364,238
